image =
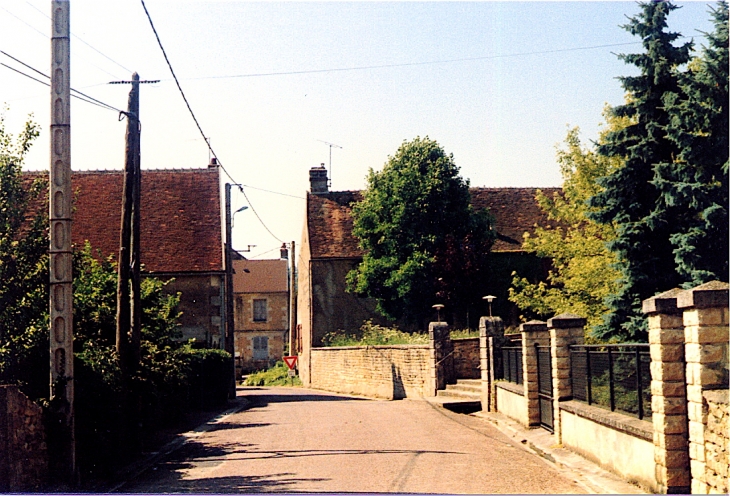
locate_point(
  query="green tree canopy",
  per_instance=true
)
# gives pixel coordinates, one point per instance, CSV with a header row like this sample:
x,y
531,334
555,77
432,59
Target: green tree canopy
x,y
695,183
629,198
423,242
583,272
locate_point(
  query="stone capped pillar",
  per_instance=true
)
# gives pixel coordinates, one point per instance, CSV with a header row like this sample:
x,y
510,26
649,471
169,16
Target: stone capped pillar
x,y
565,329
668,393
440,358
706,335
533,332
491,339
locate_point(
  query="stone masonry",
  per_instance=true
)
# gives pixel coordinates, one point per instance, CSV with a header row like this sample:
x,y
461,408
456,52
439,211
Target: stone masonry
x,y
717,441
565,330
23,451
440,357
533,332
706,335
668,389
491,338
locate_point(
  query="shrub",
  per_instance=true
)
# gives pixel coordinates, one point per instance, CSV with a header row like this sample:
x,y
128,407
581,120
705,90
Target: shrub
x,y
278,375
373,335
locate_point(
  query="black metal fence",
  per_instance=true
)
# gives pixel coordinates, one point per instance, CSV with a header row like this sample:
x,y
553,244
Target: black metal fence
x,y
512,364
614,376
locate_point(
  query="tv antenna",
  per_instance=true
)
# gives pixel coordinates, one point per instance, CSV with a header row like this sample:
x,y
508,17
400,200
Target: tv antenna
x,y
330,172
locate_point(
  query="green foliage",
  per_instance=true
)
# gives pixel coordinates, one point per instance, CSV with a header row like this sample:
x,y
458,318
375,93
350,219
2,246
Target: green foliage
x,y
423,242
582,273
629,199
278,375
23,269
463,334
695,183
373,335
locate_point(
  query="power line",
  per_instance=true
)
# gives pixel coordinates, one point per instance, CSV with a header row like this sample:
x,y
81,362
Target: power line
x,y
84,42
192,114
412,64
273,192
87,98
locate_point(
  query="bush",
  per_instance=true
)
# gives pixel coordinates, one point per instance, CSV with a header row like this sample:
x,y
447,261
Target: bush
x,y
278,375
373,335
210,373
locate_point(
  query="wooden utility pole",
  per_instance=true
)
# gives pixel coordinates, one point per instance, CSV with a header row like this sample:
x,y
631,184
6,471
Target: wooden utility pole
x,y
62,444
129,309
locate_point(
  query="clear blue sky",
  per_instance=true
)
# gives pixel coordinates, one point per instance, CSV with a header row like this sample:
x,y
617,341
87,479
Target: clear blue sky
x,y
495,83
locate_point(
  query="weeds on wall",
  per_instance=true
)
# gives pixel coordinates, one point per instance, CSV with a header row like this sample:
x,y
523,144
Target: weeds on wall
x,y
373,335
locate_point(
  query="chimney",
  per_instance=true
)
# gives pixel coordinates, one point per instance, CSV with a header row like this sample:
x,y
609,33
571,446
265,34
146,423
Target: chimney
x,y
213,163
318,180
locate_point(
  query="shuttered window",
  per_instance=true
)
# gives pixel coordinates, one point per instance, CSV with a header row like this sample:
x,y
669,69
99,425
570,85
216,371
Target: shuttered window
x,y
260,348
259,311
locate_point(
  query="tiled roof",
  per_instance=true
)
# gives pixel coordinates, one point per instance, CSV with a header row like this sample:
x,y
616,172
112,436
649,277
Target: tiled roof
x,y
181,217
329,217
263,276
515,212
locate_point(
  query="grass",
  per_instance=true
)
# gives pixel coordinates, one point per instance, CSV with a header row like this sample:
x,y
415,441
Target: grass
x,y
275,376
373,335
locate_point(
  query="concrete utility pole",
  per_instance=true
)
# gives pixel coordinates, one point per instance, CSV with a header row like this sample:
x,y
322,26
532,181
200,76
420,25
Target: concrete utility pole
x,y
61,442
292,301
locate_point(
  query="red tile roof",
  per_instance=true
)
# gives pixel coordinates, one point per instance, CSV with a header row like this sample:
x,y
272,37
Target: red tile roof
x,y
329,217
181,217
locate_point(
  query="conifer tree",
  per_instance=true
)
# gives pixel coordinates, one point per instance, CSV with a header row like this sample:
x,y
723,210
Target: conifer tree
x,y
696,181
630,197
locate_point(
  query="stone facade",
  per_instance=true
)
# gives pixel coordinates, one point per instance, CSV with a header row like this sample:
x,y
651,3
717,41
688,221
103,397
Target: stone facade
x,y
533,333
466,358
717,441
23,450
390,372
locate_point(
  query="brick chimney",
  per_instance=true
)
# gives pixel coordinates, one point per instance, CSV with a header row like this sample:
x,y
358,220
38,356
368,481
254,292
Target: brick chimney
x,y
213,163
318,180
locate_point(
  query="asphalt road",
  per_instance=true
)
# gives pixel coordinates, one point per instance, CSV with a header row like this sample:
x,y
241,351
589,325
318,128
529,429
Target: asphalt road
x,y
297,440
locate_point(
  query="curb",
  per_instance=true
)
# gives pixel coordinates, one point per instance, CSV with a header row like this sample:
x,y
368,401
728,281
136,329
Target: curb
x,y
591,476
135,469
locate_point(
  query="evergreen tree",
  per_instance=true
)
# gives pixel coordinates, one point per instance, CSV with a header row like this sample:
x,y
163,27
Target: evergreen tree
x,y
696,181
630,197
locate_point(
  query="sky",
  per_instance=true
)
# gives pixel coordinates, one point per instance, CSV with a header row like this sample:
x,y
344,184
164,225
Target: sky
x,y
274,84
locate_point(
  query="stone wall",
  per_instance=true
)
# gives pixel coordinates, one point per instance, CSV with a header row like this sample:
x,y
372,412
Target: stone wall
x,y
23,450
717,442
390,372
466,358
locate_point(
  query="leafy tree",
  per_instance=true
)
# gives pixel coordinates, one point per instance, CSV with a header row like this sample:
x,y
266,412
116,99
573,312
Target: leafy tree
x,y
696,181
423,242
582,273
629,198
23,269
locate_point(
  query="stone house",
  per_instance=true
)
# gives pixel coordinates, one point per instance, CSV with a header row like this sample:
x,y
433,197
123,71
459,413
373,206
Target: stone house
x,y
181,236
261,312
328,251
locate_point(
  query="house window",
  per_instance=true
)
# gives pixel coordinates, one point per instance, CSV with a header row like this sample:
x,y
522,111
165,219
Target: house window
x,y
259,311
260,348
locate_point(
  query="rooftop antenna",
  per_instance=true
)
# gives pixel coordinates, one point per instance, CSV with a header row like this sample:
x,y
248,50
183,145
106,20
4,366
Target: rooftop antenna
x,y
330,172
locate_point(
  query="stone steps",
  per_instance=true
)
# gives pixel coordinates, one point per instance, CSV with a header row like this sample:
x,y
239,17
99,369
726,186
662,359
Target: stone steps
x,y
464,389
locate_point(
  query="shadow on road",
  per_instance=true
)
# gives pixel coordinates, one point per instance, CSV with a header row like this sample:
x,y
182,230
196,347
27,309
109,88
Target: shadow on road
x,y
274,483
263,400
226,426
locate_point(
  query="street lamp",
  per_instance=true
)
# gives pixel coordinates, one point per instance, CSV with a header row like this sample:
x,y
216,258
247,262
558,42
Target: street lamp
x,y
438,308
489,299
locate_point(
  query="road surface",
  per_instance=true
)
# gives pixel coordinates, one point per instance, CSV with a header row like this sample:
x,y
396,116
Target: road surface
x,y
299,440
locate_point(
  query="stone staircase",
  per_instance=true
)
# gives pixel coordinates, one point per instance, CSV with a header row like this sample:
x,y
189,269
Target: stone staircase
x,y
464,397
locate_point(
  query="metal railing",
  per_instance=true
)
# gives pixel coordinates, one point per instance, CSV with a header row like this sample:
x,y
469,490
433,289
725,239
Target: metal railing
x,y
613,376
512,364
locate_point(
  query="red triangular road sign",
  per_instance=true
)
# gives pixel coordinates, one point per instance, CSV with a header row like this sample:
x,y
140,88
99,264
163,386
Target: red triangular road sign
x,y
290,361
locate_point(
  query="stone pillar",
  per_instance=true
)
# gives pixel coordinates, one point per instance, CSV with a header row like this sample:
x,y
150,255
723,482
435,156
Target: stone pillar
x,y
439,356
706,337
565,329
668,393
533,332
491,338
